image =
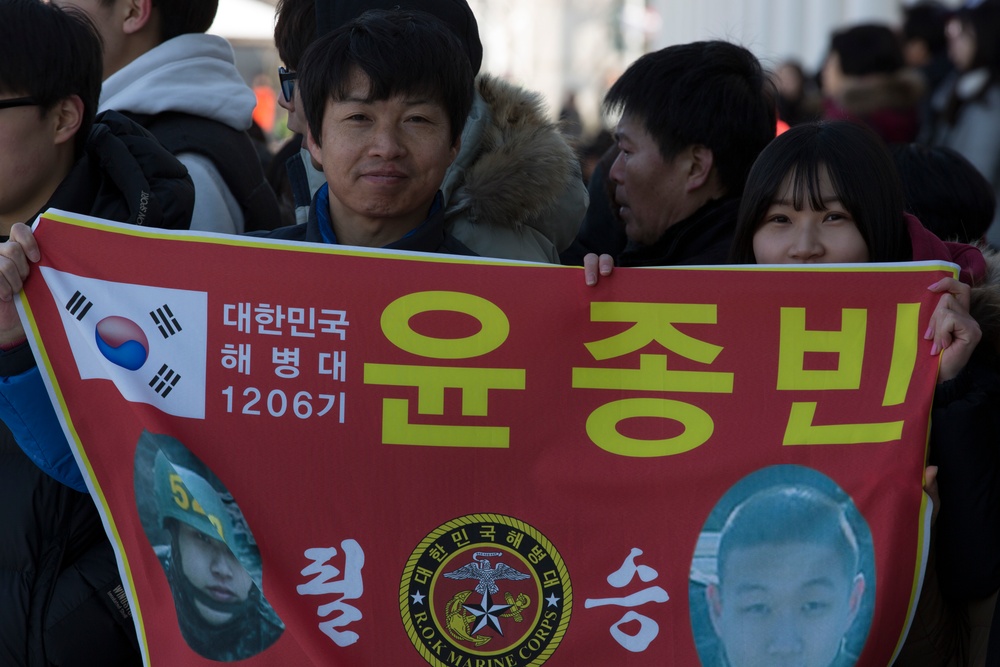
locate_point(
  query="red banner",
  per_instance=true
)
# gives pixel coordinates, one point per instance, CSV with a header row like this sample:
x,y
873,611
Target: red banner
x,y
310,455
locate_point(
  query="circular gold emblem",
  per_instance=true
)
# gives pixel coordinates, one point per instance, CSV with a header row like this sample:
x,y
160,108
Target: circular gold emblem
x,y
485,589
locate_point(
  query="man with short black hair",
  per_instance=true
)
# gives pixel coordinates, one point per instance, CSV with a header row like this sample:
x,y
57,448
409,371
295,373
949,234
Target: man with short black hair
x,y
163,71
61,597
514,190
385,98
694,117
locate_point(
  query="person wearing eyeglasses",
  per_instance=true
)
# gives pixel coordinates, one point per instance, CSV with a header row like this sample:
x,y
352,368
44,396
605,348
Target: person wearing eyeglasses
x,y
61,597
385,98
514,190
293,175
163,71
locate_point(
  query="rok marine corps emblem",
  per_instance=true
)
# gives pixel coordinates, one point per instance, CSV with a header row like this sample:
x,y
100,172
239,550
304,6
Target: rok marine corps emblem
x,y
484,590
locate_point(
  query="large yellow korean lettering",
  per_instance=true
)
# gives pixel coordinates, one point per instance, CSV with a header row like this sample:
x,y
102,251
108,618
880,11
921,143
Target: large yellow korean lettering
x,y
802,431
431,381
654,322
796,340
602,427
802,428
653,375
904,353
493,322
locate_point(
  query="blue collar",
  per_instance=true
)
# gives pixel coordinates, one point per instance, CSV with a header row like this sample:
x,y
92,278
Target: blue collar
x,y
326,225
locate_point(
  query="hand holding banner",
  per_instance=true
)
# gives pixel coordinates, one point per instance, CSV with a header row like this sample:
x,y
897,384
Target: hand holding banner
x,y
454,461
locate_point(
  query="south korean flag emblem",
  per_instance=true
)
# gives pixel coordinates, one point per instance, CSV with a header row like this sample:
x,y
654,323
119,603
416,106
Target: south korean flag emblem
x,y
149,341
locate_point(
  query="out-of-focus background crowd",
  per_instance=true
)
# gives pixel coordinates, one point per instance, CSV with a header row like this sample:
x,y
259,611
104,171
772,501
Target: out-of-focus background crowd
x,y
571,51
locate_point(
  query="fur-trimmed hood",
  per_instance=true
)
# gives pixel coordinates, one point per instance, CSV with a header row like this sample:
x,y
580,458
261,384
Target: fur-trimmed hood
x,y
887,103
864,95
515,169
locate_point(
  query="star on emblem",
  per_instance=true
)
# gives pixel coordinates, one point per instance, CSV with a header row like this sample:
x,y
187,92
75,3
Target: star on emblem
x,y
552,600
487,613
418,598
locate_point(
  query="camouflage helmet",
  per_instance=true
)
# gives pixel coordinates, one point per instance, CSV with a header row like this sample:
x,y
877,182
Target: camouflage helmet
x,y
187,497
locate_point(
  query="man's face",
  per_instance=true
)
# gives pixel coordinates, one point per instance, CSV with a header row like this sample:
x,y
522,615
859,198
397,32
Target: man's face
x,y
213,569
649,190
384,160
108,19
30,170
784,605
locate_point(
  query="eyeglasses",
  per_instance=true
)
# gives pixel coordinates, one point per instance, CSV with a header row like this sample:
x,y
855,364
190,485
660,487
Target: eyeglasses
x,y
18,102
287,79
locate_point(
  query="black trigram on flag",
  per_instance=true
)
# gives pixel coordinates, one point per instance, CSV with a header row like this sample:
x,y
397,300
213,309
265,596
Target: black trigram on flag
x,y
164,381
79,305
165,321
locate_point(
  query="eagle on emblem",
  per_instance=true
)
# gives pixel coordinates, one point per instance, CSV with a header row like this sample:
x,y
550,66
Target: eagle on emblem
x,y
483,571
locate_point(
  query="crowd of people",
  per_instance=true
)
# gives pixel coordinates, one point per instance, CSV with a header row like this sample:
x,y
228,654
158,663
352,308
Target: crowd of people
x,y
130,112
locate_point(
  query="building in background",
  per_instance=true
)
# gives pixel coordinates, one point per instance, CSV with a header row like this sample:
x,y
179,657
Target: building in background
x,y
558,47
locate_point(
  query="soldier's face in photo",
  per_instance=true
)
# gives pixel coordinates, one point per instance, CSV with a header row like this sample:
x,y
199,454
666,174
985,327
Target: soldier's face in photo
x,y
780,605
212,569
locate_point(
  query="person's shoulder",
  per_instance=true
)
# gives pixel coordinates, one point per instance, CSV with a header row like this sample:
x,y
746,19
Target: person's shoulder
x,y
452,246
126,175
215,206
524,244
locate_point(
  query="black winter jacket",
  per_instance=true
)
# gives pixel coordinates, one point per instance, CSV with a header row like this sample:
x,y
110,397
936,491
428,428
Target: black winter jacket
x,y
61,597
125,175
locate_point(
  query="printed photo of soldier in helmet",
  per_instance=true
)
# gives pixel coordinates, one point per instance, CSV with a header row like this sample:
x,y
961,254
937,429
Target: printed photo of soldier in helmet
x,y
207,552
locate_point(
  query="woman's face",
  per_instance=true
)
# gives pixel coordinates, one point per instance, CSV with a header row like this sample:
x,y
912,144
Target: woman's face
x,y
808,236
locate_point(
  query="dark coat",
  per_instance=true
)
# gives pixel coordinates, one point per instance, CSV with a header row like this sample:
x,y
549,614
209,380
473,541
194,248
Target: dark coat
x,y
125,175
703,238
965,424
61,598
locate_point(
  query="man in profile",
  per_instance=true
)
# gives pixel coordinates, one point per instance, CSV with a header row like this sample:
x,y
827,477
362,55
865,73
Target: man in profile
x,y
693,119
